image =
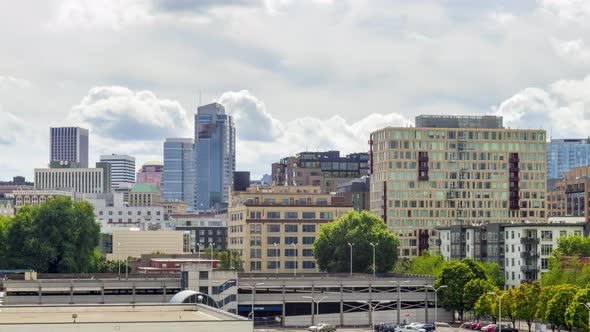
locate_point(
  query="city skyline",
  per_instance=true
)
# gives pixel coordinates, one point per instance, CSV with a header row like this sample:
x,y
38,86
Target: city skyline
x,y
327,72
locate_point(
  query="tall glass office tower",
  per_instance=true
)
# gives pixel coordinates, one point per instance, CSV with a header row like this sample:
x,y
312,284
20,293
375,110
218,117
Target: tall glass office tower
x,y
215,155
69,144
179,170
563,155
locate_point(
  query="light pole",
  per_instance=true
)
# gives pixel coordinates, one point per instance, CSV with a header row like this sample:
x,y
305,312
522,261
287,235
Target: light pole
x,y
295,265
372,310
436,300
587,305
374,266
313,300
499,309
211,255
119,257
399,299
253,289
276,260
350,245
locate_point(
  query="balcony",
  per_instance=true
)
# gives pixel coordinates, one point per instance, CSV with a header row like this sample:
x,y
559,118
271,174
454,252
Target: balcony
x,y
529,268
529,240
515,187
514,169
529,254
514,179
423,168
423,178
423,158
514,159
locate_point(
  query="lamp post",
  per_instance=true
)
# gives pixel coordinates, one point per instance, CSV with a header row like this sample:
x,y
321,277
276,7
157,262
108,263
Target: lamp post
x,y
350,245
211,255
119,258
313,300
499,309
372,310
276,259
399,299
295,265
587,305
374,266
253,289
436,300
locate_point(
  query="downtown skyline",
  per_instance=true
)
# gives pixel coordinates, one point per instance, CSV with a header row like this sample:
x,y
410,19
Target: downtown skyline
x,y
295,75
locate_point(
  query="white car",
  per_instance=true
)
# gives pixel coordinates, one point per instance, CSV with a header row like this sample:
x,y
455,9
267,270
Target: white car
x,y
322,327
409,328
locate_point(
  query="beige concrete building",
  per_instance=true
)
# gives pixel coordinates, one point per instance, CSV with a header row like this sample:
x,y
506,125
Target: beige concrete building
x,y
133,243
145,195
174,207
36,197
274,227
80,180
428,177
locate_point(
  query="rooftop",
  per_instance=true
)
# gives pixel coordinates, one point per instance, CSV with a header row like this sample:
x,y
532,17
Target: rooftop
x,y
144,188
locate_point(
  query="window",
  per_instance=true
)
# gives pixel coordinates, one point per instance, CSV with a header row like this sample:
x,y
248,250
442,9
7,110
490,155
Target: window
x,y
290,215
273,252
290,265
273,215
291,228
273,228
290,252
255,253
290,239
544,263
307,252
546,235
255,240
562,233
546,249
326,215
309,265
255,266
272,240
308,215
308,228
308,239
273,265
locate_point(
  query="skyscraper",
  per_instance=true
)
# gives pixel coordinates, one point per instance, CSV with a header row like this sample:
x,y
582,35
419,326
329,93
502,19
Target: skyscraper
x,y
215,155
179,170
122,169
69,144
151,173
563,155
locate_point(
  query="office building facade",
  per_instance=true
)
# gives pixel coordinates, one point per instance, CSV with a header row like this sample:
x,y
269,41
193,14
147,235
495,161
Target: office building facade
x,y
145,195
122,169
325,169
69,144
205,230
563,155
79,180
273,227
215,156
37,197
179,170
568,198
151,173
428,177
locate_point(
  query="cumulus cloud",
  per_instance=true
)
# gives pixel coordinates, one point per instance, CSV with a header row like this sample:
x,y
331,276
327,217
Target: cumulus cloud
x,y
11,128
254,123
119,113
573,50
14,82
100,14
577,11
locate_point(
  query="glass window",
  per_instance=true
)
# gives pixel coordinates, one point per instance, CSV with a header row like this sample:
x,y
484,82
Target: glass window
x,y
291,265
309,265
272,240
307,252
308,228
291,215
326,215
291,228
273,265
273,252
273,215
290,252
273,228
290,239
308,215
308,239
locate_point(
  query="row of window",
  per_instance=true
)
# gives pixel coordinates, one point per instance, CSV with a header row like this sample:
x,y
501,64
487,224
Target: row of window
x,y
276,228
291,215
255,265
271,240
276,252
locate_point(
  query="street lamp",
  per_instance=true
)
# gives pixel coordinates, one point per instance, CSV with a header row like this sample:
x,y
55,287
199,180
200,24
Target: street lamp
x,y
350,245
119,258
372,310
587,305
374,266
295,265
313,300
211,255
253,289
399,299
436,300
276,260
499,309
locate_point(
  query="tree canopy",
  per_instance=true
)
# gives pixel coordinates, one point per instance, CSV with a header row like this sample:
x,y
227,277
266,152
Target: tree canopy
x,y
58,236
332,252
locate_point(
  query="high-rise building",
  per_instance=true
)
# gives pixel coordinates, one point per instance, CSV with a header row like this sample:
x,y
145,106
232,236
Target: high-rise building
x,y
273,227
151,173
563,155
568,196
428,177
122,169
215,155
179,170
69,144
325,169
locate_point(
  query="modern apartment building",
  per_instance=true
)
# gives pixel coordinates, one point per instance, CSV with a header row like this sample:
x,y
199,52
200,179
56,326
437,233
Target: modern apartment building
x,y
325,169
151,173
274,227
215,156
122,169
69,144
357,192
179,170
80,180
521,249
145,195
568,197
563,155
428,177
205,229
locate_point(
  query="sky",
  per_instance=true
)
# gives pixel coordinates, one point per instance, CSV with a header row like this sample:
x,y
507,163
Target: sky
x,y
296,75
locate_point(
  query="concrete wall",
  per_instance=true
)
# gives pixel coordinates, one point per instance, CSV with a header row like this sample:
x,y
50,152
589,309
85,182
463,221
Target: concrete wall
x,y
136,243
237,326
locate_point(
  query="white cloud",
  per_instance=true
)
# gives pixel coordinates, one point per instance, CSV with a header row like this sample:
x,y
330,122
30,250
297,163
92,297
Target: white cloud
x,y
573,50
12,129
119,113
14,82
100,14
577,11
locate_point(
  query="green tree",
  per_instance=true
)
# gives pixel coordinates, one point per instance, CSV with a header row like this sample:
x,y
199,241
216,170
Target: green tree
x,y
455,274
526,300
228,260
508,307
575,245
557,305
494,273
576,314
473,290
484,306
332,252
427,264
547,293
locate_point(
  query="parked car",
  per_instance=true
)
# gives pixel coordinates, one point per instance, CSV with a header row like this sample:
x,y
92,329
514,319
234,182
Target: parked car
x,y
488,328
505,328
427,327
409,328
466,325
322,327
389,327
